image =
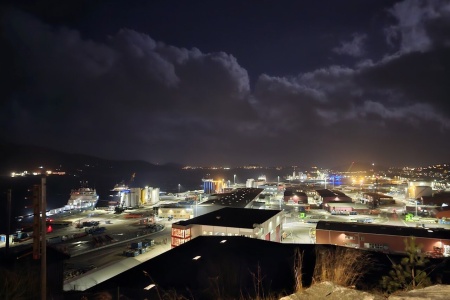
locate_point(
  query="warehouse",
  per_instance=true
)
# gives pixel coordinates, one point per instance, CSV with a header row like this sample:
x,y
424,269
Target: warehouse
x,y
383,238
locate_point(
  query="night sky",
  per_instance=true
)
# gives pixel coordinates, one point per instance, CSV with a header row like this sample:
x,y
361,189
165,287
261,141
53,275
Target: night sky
x,y
230,82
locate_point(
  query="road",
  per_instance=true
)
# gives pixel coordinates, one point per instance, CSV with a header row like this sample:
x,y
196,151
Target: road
x,y
84,251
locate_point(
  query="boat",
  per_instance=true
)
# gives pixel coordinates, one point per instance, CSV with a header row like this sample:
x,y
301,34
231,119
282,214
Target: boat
x,y
83,197
118,196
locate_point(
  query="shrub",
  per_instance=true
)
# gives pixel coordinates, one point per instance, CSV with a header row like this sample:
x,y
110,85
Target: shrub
x,y
410,273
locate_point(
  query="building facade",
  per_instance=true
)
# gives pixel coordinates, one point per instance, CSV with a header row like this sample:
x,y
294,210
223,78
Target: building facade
x,y
387,239
229,221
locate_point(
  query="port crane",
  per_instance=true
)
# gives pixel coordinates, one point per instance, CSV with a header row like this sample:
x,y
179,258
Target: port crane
x,y
351,166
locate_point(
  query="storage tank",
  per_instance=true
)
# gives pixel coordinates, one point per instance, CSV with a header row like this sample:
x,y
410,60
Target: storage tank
x,y
135,197
146,195
149,195
155,196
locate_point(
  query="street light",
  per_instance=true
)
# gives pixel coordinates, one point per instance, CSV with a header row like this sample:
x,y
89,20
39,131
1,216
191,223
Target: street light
x,y
179,187
234,179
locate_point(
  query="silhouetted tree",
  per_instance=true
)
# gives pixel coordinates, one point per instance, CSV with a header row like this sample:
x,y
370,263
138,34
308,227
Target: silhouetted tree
x,y
410,273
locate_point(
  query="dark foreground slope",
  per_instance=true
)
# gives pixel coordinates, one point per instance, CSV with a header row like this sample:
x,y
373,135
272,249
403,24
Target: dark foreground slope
x,y
239,267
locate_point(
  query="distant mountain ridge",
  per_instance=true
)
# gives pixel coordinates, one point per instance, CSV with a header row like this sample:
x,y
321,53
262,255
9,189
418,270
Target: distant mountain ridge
x,y
18,157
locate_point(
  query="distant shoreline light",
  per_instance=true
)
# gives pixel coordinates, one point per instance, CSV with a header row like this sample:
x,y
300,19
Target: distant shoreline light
x,y
26,173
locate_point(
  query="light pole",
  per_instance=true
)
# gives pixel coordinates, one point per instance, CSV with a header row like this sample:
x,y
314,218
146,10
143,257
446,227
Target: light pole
x,y
234,179
179,187
196,205
415,201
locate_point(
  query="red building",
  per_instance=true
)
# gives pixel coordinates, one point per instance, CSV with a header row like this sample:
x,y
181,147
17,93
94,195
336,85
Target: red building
x,y
383,238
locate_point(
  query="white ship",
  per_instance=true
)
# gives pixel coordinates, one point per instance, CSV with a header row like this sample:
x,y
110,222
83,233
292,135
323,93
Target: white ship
x,y
119,194
84,197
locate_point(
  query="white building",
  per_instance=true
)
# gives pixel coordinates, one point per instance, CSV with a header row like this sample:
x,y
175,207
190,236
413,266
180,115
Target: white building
x,y
229,221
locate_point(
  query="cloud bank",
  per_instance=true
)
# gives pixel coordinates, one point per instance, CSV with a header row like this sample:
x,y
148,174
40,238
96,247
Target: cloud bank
x,y
129,96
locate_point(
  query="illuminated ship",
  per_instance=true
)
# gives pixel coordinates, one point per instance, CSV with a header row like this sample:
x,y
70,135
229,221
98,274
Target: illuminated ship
x,y
83,197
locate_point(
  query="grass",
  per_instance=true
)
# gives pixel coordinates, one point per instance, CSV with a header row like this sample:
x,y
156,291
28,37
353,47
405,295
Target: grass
x,y
342,266
298,271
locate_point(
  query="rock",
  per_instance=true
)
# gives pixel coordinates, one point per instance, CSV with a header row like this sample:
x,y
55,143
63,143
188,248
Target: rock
x,y
330,291
435,292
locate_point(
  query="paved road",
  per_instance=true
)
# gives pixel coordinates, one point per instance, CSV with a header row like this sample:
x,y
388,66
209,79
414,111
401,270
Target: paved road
x,y
84,252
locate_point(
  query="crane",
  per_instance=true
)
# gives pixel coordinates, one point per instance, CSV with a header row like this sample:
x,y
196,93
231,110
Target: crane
x,y
351,166
131,179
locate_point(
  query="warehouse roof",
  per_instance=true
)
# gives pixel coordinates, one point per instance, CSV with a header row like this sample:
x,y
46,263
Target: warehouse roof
x,y
232,217
240,197
439,233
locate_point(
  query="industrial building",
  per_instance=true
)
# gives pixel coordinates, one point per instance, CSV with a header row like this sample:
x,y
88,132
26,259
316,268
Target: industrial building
x,y
437,199
230,221
240,197
373,200
417,191
346,208
211,186
331,196
295,196
383,238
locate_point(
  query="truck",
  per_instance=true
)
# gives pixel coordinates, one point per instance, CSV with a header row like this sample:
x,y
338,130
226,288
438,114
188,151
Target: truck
x,y
131,253
148,243
136,245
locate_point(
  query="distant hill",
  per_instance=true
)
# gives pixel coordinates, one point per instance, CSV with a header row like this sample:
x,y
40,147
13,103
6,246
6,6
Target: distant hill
x,y
15,157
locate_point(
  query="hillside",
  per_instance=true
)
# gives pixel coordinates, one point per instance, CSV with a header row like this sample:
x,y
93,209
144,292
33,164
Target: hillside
x,y
16,157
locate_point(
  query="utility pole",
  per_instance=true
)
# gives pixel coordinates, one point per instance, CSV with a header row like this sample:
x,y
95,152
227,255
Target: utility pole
x,y
8,225
36,218
40,231
43,238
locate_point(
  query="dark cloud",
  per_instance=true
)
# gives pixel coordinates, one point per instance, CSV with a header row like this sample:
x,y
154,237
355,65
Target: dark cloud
x,y
355,47
161,92
414,18
128,95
